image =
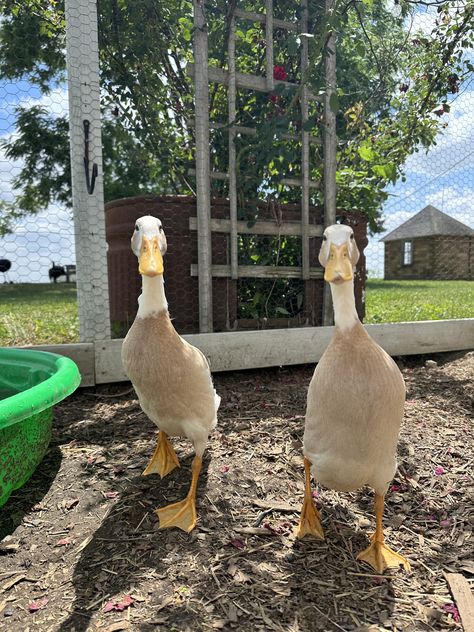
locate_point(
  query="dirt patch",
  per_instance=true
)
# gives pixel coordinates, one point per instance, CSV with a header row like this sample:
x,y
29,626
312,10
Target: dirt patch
x,y
81,549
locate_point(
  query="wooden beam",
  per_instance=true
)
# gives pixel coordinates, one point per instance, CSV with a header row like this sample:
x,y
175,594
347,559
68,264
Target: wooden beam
x,y
260,17
305,166
82,353
231,105
269,227
330,150
203,184
233,351
251,131
297,182
261,272
463,598
245,81
289,182
269,45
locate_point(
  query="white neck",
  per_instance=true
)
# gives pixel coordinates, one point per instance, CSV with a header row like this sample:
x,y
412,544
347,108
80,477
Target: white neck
x,y
152,300
345,314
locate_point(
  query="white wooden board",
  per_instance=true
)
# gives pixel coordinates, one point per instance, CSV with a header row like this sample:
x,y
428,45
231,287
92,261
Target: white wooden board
x,y
230,351
82,354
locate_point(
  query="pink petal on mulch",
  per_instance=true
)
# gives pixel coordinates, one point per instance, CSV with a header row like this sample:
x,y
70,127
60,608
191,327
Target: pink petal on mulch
x,y
439,470
238,544
126,602
111,494
450,608
34,606
65,541
445,523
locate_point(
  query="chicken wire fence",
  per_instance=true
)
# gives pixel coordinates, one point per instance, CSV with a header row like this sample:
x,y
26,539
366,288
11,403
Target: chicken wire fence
x,y
40,248
422,263
427,244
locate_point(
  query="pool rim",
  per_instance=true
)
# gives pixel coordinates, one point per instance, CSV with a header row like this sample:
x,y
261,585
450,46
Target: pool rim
x,y
63,380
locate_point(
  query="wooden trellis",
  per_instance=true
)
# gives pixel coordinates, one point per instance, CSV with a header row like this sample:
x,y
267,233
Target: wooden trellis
x,y
203,74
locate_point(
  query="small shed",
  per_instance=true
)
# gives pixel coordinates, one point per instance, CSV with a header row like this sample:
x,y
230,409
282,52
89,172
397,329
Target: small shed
x,y
430,245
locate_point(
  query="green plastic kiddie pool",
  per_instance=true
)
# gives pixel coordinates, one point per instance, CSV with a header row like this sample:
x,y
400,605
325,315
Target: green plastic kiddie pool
x,y
31,382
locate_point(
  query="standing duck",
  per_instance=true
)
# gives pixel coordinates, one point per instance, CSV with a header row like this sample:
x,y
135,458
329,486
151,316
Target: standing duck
x,y
354,407
171,377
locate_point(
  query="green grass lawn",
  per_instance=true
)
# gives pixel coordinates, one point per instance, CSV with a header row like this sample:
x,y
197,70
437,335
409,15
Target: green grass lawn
x,y
46,313
399,301
38,313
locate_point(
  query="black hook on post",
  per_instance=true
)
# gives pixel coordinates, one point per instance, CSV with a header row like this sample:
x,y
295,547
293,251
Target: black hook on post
x,y
90,179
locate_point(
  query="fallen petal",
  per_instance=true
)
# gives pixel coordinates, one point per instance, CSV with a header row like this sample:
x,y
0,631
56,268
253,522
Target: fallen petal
x,y
34,606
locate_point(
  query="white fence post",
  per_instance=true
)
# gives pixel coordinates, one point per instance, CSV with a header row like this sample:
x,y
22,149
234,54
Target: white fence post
x,y
82,55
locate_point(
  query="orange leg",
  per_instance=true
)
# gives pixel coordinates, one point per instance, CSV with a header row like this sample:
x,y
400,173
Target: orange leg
x,y
310,522
164,458
378,554
183,514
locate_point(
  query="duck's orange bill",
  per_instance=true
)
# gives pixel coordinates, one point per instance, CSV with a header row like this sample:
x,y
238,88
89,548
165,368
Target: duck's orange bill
x,y
339,266
151,259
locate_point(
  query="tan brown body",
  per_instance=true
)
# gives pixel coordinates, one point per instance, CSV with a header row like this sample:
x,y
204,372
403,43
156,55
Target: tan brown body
x,y
354,410
172,379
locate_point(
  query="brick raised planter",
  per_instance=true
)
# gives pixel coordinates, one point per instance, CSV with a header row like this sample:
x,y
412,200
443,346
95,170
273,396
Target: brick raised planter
x,y
181,287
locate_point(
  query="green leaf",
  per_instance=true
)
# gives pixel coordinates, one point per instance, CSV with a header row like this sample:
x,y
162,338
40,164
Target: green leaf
x,y
387,171
292,45
366,153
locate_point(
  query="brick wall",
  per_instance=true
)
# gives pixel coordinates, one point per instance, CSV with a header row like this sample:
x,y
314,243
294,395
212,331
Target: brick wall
x,y
439,257
181,288
454,257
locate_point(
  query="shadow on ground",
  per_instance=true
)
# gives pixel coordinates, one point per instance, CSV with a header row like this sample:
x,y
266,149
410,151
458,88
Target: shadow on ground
x,y
23,501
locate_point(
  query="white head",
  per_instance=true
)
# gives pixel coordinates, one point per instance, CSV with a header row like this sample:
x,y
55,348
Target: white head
x,y
149,245
339,253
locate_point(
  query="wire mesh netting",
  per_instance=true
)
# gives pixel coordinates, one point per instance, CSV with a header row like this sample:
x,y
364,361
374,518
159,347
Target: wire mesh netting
x,y
405,161
421,267
37,256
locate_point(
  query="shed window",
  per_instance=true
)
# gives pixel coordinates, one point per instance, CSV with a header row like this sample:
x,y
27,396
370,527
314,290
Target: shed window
x,y
407,253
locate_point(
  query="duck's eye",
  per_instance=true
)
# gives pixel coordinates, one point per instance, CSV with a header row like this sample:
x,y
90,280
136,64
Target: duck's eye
x,y
137,228
161,229
352,235
325,238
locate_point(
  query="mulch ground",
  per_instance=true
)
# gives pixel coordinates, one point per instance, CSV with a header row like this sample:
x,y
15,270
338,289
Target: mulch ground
x,y
81,549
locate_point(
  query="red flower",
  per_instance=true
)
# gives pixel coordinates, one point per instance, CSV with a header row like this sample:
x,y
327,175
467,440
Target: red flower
x,y
279,73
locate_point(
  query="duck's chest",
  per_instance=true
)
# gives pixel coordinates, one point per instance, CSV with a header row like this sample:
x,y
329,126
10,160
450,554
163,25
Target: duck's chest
x,y
354,372
154,356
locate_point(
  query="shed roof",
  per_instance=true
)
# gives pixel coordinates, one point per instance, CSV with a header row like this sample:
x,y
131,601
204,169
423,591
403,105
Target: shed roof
x,y
427,223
